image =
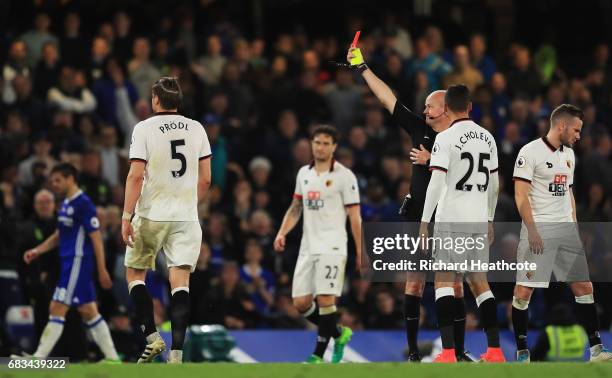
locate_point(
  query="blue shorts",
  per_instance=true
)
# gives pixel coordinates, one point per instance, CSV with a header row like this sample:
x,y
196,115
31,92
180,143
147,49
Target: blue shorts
x,y
75,286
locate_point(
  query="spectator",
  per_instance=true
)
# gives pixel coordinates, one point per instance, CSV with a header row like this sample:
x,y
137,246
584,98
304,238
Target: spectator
x,y
91,180
114,164
343,99
425,60
100,51
71,94
385,315
218,146
73,45
40,276
464,72
483,62
523,78
142,72
42,154
218,235
48,69
260,283
14,66
35,39
200,283
110,90
122,44
228,301
30,108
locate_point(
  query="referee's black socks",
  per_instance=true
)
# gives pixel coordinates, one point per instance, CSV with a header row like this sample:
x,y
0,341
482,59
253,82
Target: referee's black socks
x,y
180,306
459,325
412,312
143,307
328,328
488,317
445,309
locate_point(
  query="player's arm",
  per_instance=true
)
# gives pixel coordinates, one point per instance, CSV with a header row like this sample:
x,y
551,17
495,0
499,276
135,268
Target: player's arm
x,y
521,196
291,218
133,185
50,243
573,199
98,247
434,194
436,186
204,177
492,195
354,216
133,188
381,90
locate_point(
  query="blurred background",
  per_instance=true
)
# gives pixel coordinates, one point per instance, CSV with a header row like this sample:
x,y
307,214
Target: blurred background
x,y
76,78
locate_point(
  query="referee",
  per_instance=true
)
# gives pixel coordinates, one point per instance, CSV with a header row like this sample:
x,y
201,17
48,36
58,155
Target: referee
x,y
423,132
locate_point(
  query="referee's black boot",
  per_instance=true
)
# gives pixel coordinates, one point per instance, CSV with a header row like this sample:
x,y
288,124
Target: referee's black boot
x,y
414,357
465,357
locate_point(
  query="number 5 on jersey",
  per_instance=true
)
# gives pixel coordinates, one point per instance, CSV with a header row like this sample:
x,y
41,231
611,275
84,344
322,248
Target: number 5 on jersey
x,y
175,155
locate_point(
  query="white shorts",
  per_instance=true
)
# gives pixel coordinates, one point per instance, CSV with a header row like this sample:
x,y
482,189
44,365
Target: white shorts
x,y
180,241
460,249
565,257
321,274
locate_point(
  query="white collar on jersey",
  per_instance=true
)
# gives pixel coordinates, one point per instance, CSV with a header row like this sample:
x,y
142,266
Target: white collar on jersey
x,y
78,193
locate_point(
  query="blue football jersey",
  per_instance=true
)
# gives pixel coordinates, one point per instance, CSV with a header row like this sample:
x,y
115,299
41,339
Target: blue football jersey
x,y
76,219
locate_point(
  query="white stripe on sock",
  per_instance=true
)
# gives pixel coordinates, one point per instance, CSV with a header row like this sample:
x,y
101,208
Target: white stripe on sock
x,y
101,335
180,288
483,297
444,292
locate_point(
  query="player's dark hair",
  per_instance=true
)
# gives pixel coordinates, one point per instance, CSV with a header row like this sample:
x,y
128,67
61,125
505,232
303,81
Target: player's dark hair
x,y
168,90
66,170
457,98
565,110
327,130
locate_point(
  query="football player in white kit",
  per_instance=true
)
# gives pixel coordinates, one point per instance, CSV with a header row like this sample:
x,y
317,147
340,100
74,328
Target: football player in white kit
x,y
169,174
464,187
326,192
543,178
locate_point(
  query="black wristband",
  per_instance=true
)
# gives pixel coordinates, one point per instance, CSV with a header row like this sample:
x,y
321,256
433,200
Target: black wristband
x,y
362,67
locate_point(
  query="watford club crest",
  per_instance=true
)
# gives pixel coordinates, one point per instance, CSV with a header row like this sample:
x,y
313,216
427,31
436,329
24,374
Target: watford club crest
x,y
328,183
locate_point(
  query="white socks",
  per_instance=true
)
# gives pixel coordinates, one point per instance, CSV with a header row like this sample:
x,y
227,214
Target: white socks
x,y
100,333
52,332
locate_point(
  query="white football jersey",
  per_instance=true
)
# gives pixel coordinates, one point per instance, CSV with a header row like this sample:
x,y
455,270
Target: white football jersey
x,y
325,197
171,145
551,174
468,155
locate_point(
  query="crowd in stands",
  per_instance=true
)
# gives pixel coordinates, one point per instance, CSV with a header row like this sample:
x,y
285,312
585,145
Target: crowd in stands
x,y
71,92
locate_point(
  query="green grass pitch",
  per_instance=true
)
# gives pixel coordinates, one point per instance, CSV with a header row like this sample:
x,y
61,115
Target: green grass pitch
x,y
289,370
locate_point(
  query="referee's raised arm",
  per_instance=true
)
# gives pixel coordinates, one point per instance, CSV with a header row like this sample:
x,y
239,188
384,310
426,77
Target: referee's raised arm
x,y
409,119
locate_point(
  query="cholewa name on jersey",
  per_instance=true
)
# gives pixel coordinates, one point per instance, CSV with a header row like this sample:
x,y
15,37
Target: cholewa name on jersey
x,y
171,145
468,155
550,171
325,197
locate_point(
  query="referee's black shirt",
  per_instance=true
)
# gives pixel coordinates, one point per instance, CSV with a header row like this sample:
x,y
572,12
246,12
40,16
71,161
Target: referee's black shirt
x,y
420,133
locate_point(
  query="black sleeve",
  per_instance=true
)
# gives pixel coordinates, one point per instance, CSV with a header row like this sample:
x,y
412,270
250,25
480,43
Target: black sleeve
x,y
407,119
539,352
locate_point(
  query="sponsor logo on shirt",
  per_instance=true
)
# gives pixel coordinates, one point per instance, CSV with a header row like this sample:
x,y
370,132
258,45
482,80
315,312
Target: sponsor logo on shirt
x,y
559,186
313,200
